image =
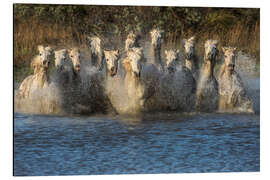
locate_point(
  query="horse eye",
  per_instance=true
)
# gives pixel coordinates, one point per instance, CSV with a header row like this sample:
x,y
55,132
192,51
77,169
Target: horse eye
x,y
107,59
71,56
40,54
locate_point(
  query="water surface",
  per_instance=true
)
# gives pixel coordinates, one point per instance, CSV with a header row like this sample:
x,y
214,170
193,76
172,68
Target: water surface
x,y
160,143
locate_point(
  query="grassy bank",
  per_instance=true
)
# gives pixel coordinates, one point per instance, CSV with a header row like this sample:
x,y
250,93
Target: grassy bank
x,y
66,26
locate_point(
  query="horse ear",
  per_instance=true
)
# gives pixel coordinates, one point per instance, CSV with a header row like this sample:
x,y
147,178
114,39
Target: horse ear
x,y
33,65
184,42
177,52
166,52
40,48
48,48
206,44
152,31
69,50
224,49
215,42
117,52
105,52
65,52
193,38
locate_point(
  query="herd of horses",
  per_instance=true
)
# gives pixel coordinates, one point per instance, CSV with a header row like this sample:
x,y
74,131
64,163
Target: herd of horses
x,y
175,82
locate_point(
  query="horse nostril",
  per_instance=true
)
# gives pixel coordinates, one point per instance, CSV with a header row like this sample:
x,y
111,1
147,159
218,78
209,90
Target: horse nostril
x,y
112,69
137,74
45,63
77,67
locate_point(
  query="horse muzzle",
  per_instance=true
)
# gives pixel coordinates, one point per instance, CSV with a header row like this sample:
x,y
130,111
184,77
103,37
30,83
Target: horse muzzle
x,y
231,67
113,71
77,68
46,64
137,74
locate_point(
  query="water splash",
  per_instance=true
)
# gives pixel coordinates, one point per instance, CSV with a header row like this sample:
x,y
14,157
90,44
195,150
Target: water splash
x,y
41,101
94,92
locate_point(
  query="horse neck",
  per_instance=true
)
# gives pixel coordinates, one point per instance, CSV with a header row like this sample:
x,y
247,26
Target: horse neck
x,y
190,63
136,80
155,52
132,78
208,69
96,59
76,77
107,74
42,76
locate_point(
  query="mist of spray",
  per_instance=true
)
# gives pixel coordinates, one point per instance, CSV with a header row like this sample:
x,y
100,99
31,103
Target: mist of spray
x,y
94,92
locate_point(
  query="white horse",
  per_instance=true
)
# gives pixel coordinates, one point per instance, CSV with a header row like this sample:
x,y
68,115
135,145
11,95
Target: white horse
x,y
177,85
207,89
40,78
141,79
191,59
232,94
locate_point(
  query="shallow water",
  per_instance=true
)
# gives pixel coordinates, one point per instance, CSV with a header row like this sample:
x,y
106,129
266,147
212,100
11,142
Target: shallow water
x,y
160,143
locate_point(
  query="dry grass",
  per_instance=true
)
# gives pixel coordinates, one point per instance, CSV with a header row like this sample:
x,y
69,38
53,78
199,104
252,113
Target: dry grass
x,y
28,34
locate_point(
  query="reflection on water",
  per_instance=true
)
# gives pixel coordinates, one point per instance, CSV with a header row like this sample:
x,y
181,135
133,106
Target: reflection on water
x,y
160,143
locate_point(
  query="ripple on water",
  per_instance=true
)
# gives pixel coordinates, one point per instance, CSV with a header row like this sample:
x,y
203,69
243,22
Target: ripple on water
x,y
161,143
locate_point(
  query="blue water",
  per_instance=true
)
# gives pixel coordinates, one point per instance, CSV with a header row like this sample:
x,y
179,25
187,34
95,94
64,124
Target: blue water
x,y
160,143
